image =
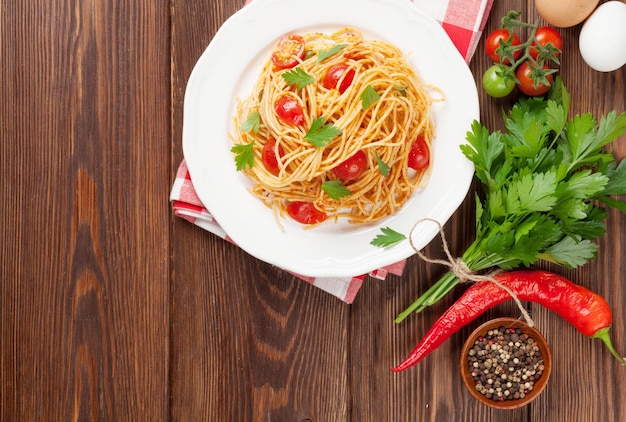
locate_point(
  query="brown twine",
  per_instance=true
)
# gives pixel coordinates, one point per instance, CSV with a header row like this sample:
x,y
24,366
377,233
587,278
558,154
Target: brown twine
x,y
462,271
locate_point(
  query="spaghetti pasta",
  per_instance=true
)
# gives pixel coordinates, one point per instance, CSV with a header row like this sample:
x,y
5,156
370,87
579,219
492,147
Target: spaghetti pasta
x,y
368,122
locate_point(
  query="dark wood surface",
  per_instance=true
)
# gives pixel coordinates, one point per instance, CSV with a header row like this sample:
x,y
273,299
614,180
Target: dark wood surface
x,y
113,309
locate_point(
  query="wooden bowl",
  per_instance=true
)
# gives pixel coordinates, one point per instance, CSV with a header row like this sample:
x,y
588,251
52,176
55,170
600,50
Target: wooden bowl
x,y
503,403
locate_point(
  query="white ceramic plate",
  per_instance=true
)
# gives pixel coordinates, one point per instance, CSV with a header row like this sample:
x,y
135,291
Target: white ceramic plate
x,y
227,70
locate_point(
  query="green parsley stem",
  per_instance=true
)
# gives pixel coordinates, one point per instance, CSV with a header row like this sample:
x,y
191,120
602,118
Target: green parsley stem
x,y
473,259
433,294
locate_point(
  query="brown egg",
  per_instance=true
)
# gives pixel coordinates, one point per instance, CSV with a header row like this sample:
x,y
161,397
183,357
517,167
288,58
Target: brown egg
x,y
565,13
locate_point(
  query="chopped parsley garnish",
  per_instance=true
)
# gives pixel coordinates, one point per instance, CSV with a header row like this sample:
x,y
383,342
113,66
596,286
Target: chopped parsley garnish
x,y
321,133
382,166
323,55
335,189
244,155
401,89
388,237
298,77
368,97
252,123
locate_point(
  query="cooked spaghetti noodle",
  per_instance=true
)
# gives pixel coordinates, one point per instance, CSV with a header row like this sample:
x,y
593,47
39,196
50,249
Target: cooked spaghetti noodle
x,y
385,129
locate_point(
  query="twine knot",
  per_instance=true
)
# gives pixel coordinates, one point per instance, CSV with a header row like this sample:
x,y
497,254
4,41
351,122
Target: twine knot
x,y
462,271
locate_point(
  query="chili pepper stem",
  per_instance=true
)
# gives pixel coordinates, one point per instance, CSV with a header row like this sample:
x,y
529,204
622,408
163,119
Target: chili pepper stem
x,y
603,334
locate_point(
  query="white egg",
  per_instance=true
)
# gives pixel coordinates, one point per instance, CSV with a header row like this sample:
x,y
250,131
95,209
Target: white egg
x,y
602,39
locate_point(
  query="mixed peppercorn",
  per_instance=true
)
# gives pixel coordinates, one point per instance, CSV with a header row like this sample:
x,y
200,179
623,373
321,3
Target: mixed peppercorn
x,y
505,364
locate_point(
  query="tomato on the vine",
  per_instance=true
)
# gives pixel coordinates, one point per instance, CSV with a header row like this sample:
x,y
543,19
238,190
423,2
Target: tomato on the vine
x,y
419,155
268,156
289,110
492,43
305,212
288,50
351,168
334,74
495,83
526,82
546,35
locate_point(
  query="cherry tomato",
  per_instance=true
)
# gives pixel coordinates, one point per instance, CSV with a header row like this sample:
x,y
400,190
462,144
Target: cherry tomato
x,y
268,155
289,110
289,49
526,83
335,73
419,156
495,84
492,43
305,212
351,168
546,35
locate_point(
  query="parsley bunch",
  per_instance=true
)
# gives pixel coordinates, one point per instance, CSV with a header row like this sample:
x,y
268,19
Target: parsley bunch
x,y
545,183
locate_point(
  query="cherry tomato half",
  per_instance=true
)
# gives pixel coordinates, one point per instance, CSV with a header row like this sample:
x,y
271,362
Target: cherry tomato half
x,y
351,168
288,50
334,74
289,110
495,84
419,156
305,212
268,155
492,43
526,83
546,35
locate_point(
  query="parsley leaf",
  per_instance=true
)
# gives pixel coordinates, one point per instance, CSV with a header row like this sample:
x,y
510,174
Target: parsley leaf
x,y
532,192
252,123
570,252
368,97
584,184
484,150
527,136
321,133
617,180
298,77
244,155
401,89
335,189
323,55
557,116
387,238
382,166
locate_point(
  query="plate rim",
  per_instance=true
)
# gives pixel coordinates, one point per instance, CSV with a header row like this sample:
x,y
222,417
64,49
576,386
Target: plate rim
x,y
326,267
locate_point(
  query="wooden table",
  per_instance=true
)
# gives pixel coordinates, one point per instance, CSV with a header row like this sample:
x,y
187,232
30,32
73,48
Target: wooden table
x,y
114,309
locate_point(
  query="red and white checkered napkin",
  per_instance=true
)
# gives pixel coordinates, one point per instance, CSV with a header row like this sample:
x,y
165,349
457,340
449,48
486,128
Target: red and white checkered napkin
x,y
464,21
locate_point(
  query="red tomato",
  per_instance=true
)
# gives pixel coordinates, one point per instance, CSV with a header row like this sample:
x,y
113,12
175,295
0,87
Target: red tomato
x,y
305,212
526,83
419,156
334,74
352,168
289,110
268,154
546,35
492,43
289,49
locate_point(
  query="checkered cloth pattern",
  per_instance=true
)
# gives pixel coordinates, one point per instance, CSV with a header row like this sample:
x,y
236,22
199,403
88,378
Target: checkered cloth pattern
x,y
463,21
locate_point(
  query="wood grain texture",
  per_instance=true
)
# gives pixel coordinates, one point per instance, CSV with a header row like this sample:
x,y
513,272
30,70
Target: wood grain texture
x,y
113,309
85,147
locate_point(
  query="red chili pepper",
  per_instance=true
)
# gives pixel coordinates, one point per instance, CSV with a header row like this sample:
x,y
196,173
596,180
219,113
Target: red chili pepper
x,y
587,311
